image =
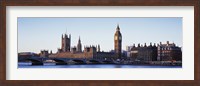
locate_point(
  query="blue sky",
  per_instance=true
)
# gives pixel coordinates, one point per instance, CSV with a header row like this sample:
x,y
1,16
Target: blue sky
x,y
35,34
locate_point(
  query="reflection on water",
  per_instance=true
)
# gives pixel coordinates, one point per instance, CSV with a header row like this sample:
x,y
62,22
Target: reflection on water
x,y
53,65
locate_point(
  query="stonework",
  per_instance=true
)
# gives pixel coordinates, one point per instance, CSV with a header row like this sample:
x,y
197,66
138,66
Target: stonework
x,y
89,52
44,53
169,51
144,53
79,45
161,52
118,42
66,43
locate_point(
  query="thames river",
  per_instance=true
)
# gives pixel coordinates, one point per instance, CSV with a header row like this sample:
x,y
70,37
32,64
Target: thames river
x,y
52,65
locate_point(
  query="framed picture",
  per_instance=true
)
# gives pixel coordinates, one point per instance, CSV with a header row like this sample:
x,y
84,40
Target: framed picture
x,y
108,42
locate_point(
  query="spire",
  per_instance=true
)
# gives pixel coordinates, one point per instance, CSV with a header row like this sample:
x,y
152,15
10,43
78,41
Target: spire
x,y
51,52
79,40
98,48
66,31
118,29
65,35
79,46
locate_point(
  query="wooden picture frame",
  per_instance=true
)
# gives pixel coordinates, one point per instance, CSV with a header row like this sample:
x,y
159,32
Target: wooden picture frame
x,y
4,3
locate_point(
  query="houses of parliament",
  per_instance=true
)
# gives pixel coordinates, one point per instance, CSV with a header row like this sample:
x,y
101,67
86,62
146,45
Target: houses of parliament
x,y
89,52
159,52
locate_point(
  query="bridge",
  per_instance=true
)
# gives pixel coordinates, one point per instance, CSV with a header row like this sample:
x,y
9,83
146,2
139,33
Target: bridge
x,y
62,61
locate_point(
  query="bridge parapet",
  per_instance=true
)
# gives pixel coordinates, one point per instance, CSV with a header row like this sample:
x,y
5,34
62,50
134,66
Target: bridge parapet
x,y
65,60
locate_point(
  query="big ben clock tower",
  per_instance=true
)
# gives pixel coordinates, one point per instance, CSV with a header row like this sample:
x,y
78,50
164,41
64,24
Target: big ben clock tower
x,y
118,42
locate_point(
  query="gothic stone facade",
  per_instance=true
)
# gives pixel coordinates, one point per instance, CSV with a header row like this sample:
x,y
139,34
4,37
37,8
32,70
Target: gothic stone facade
x,y
89,52
67,51
118,42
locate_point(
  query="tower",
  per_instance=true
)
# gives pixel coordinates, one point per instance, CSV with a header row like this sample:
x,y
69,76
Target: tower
x,y
79,46
118,42
66,43
98,48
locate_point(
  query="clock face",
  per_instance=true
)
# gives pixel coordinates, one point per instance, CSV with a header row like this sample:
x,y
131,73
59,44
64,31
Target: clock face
x,y
120,38
116,37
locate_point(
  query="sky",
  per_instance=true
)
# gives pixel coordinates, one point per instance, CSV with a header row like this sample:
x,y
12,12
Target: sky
x,y
35,34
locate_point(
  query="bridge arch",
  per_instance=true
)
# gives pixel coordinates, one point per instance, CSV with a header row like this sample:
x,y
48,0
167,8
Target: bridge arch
x,y
92,61
32,60
76,61
58,60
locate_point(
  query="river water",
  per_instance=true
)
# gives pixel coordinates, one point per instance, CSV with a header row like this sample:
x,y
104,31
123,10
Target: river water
x,y
52,65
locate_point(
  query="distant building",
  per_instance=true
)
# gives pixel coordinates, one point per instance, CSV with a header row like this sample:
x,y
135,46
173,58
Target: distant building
x,y
168,52
124,54
161,52
128,49
44,53
79,45
27,54
144,53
